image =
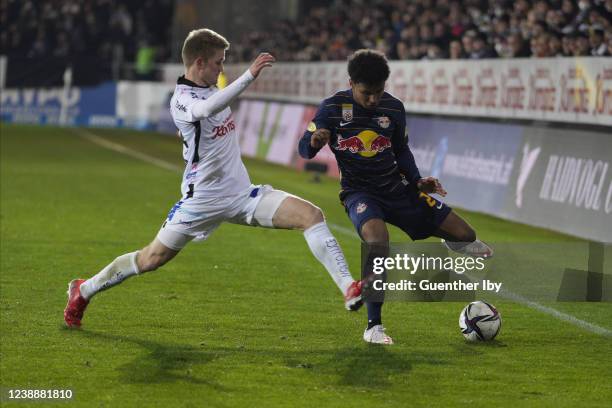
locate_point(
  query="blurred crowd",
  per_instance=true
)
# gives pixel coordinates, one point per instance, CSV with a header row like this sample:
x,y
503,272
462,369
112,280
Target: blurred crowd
x,y
131,30
108,29
437,29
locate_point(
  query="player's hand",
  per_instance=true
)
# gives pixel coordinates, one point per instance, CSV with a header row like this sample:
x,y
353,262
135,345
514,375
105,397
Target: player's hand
x,y
320,138
431,185
263,60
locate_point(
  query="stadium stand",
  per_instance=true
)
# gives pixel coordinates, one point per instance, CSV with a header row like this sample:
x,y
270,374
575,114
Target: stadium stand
x,y
50,34
434,29
419,29
103,28
98,38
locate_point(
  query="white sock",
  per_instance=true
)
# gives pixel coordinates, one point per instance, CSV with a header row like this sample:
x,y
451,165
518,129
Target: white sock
x,y
327,250
114,273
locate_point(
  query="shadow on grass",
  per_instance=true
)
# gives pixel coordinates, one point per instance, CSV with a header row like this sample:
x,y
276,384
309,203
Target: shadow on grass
x,y
362,366
477,348
162,363
374,366
485,344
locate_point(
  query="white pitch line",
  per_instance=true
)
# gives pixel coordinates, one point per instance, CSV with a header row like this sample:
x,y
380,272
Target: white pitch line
x,y
557,314
119,148
593,328
343,230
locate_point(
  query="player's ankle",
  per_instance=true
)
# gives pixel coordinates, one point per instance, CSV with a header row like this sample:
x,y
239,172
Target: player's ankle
x,y
374,322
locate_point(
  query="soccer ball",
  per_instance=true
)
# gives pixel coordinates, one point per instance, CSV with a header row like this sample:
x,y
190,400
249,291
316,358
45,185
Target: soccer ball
x,y
479,321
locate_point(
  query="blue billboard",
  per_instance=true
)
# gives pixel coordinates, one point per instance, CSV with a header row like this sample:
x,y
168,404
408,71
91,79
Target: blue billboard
x,y
474,161
76,106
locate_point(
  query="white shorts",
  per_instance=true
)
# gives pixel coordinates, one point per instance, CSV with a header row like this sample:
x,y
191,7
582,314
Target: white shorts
x,y
197,218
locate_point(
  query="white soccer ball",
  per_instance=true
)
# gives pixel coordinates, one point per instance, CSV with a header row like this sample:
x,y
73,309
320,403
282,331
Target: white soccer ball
x,y
479,321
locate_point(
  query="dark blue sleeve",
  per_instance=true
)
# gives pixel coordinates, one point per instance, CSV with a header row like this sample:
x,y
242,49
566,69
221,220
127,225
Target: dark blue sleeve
x,y
403,155
407,165
320,121
304,147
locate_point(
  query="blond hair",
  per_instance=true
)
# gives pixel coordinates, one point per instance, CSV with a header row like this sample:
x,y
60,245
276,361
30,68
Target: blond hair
x,y
202,43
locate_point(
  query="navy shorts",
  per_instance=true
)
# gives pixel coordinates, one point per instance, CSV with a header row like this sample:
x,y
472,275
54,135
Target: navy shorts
x,y
417,214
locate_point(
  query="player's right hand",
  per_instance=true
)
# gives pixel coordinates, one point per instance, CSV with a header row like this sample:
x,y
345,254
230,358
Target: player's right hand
x,y
263,60
431,185
320,138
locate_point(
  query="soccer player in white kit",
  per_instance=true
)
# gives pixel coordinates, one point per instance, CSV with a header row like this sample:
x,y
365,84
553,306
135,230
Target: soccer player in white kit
x,y
216,187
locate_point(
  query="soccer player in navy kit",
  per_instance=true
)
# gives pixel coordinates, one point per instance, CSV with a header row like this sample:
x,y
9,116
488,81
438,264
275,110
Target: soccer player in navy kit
x,y
366,130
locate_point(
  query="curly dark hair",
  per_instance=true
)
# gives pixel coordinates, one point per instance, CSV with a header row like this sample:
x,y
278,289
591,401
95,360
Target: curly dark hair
x,y
368,67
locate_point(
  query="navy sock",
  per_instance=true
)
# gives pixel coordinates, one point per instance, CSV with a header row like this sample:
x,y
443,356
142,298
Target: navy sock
x,y
374,313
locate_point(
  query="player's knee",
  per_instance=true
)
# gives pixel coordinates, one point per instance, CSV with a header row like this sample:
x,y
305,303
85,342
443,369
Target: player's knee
x,y
149,261
374,232
375,238
313,215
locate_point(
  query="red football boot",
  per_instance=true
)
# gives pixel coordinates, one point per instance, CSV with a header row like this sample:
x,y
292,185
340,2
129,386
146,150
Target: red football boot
x,y
73,313
352,298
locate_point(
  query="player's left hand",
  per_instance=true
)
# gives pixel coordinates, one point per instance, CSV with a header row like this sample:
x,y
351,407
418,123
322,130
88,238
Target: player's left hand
x,y
262,61
431,185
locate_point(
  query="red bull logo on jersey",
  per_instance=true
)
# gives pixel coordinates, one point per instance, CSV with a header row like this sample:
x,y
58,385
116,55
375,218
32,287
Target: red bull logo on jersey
x,y
366,143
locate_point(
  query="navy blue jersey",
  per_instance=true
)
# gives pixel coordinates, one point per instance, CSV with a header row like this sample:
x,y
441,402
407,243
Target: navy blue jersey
x,y
370,145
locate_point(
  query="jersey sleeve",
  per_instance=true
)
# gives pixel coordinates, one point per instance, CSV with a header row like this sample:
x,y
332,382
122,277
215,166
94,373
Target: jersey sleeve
x,y
181,107
320,121
403,155
187,107
399,139
221,99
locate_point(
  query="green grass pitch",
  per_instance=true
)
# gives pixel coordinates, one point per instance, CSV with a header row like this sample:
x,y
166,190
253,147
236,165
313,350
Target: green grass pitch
x,y
248,318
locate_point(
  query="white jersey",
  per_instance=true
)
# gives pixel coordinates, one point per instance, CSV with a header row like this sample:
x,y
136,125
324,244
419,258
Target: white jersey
x,y
211,147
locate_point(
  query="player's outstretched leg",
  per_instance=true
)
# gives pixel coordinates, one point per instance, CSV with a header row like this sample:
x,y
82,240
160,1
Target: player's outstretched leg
x,y
460,237
281,210
80,291
374,232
